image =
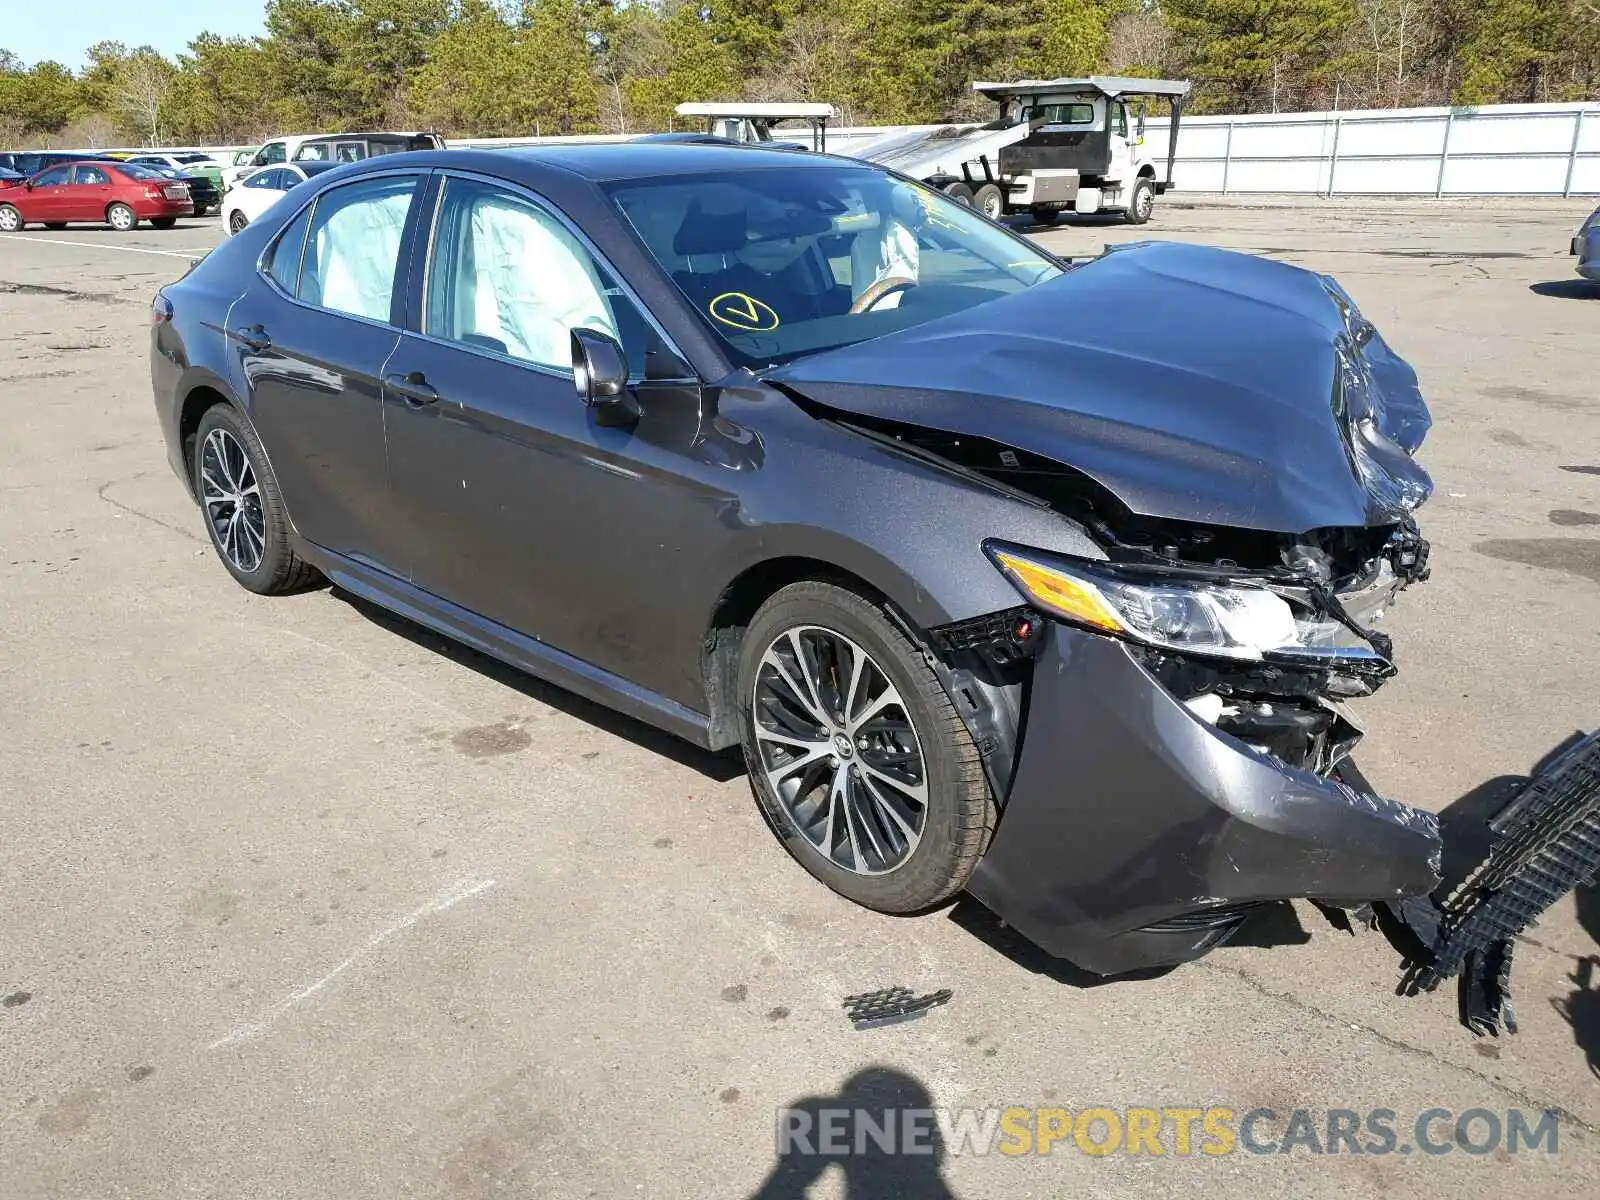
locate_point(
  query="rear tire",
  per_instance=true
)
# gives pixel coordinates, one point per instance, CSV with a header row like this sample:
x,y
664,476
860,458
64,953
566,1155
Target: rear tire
x,y
959,192
1045,216
10,219
163,222
231,474
1142,203
990,200
237,221
121,218
895,737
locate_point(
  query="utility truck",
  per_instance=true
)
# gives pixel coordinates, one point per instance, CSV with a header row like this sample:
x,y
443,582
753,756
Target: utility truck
x,y
1056,145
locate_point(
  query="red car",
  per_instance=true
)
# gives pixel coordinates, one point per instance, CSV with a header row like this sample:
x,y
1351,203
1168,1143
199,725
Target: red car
x,y
100,192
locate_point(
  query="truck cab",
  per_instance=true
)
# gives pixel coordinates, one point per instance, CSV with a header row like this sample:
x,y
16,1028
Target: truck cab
x,y
1089,131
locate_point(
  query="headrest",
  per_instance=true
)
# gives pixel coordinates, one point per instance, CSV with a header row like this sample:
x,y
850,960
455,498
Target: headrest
x,y
711,232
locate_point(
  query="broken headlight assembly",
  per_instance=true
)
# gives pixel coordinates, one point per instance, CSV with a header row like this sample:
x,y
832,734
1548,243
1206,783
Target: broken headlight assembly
x,y
1200,615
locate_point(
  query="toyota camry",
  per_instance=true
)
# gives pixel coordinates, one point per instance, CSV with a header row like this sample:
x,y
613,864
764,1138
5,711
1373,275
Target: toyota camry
x,y
1049,582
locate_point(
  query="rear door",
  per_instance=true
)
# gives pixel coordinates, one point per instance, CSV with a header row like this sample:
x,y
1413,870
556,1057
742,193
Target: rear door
x,y
89,193
310,341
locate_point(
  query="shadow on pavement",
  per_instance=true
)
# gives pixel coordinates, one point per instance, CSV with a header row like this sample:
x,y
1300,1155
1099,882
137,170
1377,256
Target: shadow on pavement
x,y
720,766
872,1171
1567,289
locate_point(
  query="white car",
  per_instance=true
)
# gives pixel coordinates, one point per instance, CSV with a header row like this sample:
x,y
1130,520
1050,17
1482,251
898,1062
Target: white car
x,y
329,147
179,162
247,199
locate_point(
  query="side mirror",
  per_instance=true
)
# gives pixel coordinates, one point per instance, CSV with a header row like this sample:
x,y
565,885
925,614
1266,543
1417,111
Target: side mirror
x,y
600,371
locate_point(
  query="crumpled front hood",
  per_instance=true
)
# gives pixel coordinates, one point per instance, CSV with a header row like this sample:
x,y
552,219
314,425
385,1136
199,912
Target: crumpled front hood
x,y
1195,384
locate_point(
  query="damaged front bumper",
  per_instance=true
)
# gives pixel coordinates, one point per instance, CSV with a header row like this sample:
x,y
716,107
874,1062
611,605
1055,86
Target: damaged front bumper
x,y
1136,834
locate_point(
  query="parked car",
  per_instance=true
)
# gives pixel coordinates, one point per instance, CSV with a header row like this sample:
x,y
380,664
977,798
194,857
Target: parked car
x,y
192,164
332,147
31,162
202,191
99,192
260,190
996,587
1586,247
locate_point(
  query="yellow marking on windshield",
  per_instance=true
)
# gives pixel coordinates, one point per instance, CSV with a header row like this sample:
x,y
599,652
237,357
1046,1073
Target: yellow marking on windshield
x,y
743,312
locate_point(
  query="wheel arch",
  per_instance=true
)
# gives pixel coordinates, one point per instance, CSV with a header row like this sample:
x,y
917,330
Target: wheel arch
x,y
204,393
737,606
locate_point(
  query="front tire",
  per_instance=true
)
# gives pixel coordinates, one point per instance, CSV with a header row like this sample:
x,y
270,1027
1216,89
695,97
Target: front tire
x,y
10,219
1143,201
121,218
857,759
237,221
243,507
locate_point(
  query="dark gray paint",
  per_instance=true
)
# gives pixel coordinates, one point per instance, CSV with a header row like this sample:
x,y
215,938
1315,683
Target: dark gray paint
x,y
1130,810
1193,383
503,514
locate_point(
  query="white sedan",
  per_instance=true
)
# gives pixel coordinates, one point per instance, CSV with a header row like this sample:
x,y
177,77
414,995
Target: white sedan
x,y
251,196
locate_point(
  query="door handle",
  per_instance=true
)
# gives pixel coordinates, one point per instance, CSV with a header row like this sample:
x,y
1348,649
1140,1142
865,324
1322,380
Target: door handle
x,y
255,337
413,386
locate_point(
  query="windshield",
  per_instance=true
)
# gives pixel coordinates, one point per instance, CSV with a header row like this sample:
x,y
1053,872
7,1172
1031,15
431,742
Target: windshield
x,y
788,261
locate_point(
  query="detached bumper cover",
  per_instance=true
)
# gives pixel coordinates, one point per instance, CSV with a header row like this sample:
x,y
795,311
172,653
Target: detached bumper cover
x,y
1136,835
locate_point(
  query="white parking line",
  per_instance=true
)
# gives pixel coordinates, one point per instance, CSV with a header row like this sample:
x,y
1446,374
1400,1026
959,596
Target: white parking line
x,y
109,246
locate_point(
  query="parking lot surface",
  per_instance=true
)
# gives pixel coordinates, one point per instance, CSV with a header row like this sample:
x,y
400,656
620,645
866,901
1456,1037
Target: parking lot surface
x,y
299,900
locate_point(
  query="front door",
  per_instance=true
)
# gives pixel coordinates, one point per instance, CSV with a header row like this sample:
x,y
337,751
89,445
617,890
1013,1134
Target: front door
x,y
1121,144
310,341
50,196
518,505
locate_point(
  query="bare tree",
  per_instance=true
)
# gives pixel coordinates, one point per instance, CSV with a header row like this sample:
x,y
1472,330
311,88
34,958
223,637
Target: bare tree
x,y
1140,39
140,91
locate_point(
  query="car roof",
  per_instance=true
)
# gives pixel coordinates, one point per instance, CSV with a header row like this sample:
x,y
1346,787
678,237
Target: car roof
x,y
610,162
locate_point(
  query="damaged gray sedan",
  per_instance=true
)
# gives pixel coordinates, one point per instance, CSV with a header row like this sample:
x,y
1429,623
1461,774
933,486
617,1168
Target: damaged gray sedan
x,y
1050,583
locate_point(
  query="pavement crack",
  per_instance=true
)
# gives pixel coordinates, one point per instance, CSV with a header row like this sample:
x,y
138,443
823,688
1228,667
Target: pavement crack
x,y
1525,1099
143,516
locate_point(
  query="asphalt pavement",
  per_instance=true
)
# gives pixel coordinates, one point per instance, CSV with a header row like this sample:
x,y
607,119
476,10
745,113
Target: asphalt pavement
x,y
298,900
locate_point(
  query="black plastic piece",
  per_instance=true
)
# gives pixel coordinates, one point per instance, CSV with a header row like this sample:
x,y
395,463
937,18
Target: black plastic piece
x,y
1548,843
890,1006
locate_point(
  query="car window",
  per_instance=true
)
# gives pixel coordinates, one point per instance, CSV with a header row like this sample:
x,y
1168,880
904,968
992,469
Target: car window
x,y
786,261
312,152
144,171
54,177
194,158
89,175
508,277
283,262
264,179
272,152
1119,117
353,248
1062,114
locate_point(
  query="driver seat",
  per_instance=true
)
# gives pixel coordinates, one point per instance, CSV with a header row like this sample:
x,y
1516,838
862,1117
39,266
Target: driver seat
x,y
707,242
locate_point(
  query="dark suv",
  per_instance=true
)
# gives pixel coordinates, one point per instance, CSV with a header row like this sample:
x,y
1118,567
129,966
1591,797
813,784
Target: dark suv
x,y
31,162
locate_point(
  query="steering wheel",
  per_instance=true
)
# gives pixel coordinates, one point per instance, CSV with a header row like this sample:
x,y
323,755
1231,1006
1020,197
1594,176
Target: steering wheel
x,y
874,295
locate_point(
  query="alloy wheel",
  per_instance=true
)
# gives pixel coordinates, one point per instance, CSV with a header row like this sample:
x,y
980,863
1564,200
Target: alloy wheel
x,y
121,217
232,500
839,750
237,221
10,221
